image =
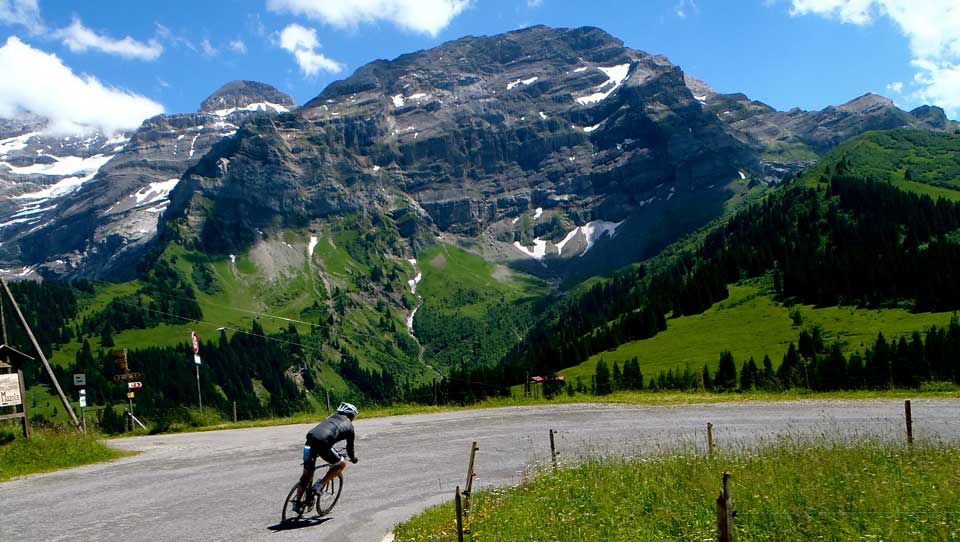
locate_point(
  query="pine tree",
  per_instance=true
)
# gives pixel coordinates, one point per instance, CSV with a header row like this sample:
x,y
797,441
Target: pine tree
x,y
706,378
769,378
602,384
617,377
726,377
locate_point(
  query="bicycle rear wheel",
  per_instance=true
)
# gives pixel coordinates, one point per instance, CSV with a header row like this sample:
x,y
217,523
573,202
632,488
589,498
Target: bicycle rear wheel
x,y
288,511
327,498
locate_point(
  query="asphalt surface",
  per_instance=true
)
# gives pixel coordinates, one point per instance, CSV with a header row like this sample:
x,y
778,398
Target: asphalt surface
x,y
230,485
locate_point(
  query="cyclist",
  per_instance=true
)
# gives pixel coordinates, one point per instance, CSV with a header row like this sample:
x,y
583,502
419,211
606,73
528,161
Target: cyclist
x,y
320,442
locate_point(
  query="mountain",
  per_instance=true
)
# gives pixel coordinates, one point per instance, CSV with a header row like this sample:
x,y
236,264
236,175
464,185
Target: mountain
x,y
788,141
88,205
559,152
865,240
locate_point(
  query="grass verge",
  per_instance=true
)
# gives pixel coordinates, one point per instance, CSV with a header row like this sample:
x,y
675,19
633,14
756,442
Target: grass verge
x,y
789,489
50,450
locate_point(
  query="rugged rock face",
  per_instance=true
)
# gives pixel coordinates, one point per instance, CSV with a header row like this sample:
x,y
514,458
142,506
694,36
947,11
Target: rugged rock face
x,y
790,140
97,221
558,150
567,126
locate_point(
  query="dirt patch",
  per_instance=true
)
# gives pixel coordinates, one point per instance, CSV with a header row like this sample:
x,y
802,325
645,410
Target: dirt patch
x,y
439,261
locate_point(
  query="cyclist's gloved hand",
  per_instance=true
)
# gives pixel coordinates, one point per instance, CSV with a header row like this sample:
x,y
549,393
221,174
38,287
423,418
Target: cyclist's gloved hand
x,y
354,460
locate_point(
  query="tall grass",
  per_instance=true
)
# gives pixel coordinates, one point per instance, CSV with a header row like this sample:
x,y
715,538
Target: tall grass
x,y
49,449
785,490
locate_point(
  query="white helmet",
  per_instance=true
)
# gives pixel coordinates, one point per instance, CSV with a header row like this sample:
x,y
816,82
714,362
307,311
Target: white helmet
x,y
347,408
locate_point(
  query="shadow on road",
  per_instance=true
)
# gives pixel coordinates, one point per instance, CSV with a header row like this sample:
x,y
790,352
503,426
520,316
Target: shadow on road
x,y
298,524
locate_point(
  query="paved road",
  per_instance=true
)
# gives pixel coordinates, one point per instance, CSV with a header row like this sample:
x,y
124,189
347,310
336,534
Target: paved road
x,y
229,485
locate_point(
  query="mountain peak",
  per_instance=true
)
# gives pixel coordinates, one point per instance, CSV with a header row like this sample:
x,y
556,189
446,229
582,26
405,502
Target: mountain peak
x,y
867,102
244,94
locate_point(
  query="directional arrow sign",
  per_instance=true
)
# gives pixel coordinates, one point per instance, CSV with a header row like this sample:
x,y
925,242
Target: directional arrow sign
x,y
126,377
134,385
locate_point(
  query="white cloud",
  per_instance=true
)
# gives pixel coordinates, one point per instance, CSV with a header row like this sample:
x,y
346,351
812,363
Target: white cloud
x,y
422,16
80,39
534,3
932,28
22,12
208,49
302,43
71,103
238,46
686,7
896,87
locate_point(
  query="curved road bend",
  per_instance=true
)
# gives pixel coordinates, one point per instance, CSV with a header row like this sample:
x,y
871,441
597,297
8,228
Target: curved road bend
x,y
229,485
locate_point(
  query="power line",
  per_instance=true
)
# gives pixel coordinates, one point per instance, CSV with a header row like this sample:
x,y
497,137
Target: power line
x,y
203,322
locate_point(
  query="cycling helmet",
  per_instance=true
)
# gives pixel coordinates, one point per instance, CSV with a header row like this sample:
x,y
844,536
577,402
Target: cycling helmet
x,y
347,408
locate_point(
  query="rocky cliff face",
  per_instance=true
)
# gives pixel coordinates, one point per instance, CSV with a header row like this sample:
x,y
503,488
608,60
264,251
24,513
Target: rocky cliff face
x,y
97,221
567,127
558,150
788,141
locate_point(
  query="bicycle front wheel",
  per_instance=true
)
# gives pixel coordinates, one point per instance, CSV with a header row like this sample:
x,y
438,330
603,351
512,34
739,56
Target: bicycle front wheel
x,y
327,498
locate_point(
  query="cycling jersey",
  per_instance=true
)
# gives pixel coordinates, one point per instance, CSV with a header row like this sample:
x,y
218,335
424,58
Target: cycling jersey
x,y
330,431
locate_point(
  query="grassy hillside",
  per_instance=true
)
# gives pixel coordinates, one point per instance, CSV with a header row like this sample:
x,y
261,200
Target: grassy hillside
x,y
472,311
751,323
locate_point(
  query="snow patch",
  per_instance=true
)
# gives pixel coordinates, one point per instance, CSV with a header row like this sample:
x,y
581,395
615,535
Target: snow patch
x,y
233,258
193,144
15,143
543,116
742,176
581,69
573,233
65,165
515,220
376,168
418,96
701,99
259,106
538,213
518,82
616,75
539,249
596,229
154,192
589,129
312,245
398,100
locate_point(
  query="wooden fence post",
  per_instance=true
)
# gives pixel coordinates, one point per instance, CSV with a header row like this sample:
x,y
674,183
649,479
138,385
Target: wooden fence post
x,y
724,513
234,412
553,451
459,516
470,475
909,416
710,440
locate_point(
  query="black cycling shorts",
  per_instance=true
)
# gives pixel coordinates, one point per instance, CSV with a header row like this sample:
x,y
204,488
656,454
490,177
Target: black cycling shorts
x,y
313,449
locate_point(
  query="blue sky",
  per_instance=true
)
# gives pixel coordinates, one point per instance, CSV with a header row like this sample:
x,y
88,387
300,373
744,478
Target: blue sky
x,y
172,54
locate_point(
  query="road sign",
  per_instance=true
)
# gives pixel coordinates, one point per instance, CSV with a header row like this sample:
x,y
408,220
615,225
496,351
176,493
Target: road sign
x,y
129,395
79,379
83,398
10,390
134,385
196,342
196,359
126,377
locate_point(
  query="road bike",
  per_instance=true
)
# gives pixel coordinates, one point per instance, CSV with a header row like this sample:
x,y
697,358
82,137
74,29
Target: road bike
x,y
313,497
